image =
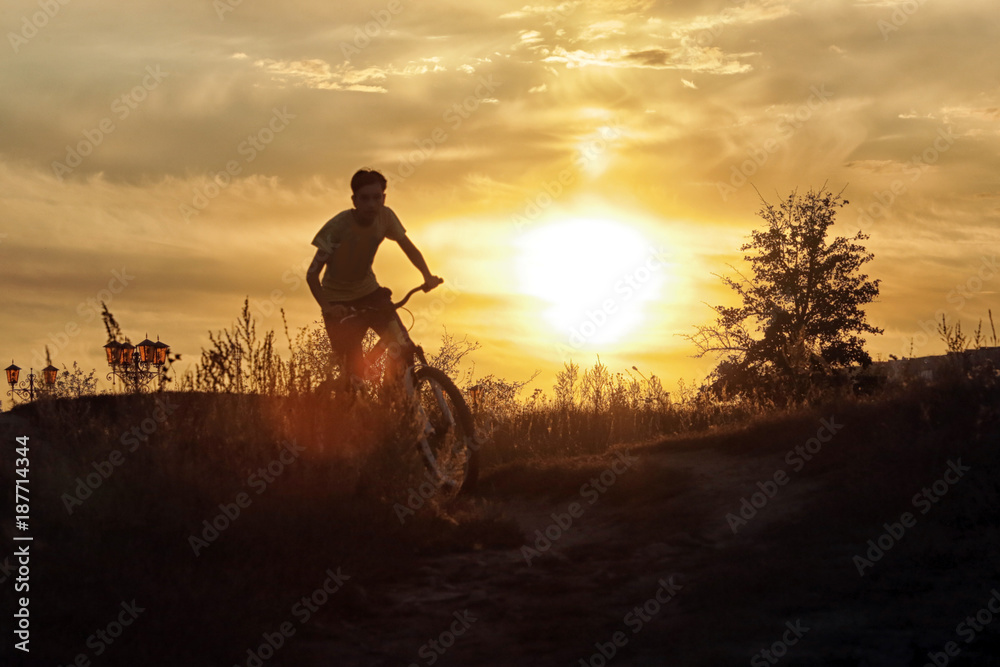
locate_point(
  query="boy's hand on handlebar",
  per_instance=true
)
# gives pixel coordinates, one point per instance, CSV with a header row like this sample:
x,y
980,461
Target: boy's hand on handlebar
x,y
432,282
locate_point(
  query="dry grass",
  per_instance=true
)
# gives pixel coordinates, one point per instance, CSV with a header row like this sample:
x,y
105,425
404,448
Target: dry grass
x,y
336,504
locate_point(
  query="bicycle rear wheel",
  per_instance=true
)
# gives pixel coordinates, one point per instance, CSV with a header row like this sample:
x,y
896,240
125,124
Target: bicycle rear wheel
x,y
448,441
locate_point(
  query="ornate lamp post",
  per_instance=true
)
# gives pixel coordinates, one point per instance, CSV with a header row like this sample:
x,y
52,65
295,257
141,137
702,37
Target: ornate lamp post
x,y
238,356
26,388
136,365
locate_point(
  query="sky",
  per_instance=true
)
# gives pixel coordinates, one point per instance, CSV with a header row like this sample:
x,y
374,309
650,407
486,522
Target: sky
x,y
580,174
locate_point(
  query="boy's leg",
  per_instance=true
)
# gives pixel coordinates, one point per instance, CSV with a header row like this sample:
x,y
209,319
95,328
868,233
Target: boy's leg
x,y
399,347
345,342
399,352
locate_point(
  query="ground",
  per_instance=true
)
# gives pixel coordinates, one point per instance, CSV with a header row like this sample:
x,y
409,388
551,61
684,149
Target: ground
x,y
653,572
859,533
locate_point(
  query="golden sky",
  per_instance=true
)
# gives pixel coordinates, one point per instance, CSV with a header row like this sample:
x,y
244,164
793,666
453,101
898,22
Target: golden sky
x,y
576,171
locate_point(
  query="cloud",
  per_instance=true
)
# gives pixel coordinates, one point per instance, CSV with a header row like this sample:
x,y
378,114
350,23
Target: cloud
x,y
876,166
603,30
694,59
567,69
320,75
530,37
552,11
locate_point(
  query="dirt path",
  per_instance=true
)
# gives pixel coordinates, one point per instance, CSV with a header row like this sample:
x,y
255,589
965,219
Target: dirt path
x,y
642,545
652,572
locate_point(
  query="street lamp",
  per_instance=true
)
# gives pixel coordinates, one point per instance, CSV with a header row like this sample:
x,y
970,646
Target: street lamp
x,y
136,365
26,388
238,356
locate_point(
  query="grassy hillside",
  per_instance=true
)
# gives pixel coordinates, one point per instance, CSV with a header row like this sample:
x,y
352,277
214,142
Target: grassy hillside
x,y
134,501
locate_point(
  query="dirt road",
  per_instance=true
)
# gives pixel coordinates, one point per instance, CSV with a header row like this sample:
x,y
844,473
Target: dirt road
x,y
648,563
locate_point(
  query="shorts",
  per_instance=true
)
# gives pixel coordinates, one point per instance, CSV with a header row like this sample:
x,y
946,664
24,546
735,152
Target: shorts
x,y
372,311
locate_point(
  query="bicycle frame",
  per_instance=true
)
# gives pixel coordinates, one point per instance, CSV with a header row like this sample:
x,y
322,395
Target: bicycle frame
x,y
446,424
381,347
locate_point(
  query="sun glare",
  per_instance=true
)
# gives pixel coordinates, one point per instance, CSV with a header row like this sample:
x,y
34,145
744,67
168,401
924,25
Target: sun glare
x,y
594,275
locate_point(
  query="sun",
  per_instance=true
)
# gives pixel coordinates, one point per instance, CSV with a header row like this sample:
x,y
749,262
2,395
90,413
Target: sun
x,y
595,277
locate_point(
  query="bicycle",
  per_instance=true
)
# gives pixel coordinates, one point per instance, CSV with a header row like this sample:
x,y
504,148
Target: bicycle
x,y
447,441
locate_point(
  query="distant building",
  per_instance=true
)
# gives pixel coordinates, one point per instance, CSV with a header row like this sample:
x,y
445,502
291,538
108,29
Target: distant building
x,y
936,367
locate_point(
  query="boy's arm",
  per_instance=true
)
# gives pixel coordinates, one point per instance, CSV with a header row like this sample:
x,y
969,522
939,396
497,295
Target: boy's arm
x,y
312,276
415,256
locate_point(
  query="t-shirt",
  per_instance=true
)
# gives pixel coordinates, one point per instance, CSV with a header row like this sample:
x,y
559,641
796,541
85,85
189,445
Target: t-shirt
x,y
352,248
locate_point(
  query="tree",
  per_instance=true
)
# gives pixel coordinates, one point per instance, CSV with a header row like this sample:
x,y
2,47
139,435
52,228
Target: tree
x,y
801,315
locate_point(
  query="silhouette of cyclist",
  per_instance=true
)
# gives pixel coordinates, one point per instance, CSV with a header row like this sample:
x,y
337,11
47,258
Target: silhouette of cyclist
x,y
349,295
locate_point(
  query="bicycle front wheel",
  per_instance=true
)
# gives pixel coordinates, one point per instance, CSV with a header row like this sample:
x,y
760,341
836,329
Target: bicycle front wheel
x,y
447,442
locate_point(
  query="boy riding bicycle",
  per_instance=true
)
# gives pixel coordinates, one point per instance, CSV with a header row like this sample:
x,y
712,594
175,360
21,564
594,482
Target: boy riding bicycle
x,y
349,296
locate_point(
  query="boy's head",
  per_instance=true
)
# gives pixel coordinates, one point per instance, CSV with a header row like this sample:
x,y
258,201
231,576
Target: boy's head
x,y
365,177
368,194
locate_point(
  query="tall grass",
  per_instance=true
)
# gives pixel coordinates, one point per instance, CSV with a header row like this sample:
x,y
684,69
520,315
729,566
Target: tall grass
x,y
586,411
184,453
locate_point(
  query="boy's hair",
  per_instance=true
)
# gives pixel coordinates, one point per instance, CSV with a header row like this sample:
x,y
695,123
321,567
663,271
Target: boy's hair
x,y
365,177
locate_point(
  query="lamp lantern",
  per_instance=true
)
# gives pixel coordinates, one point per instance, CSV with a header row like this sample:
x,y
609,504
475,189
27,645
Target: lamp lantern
x,y
24,389
137,366
147,349
113,351
125,353
160,351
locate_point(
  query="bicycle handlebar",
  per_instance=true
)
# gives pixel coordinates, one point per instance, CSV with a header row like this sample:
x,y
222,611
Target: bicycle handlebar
x,y
418,288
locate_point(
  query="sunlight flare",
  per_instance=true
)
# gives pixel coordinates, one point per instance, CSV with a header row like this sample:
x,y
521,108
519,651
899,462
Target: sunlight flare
x,y
596,277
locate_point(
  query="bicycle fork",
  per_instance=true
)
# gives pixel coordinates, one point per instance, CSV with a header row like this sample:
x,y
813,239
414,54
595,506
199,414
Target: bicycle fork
x,y
428,427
